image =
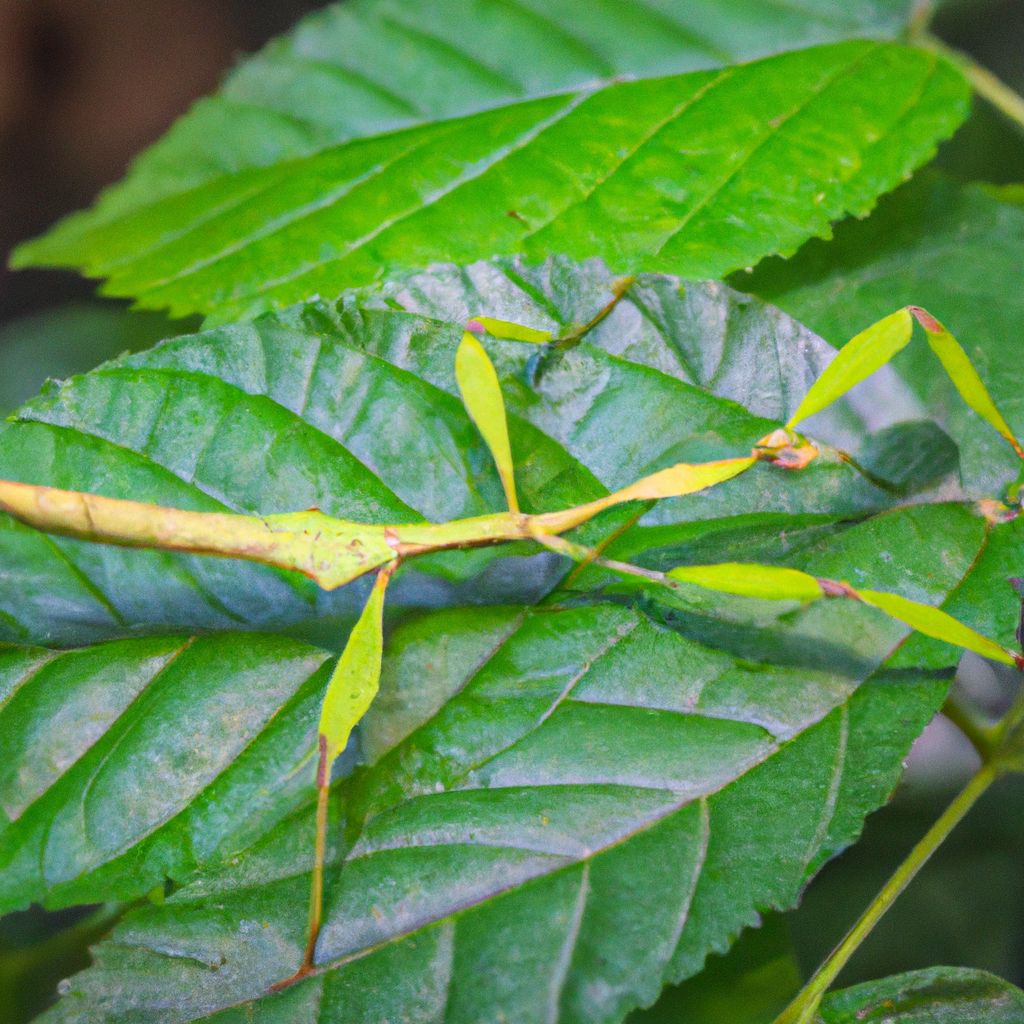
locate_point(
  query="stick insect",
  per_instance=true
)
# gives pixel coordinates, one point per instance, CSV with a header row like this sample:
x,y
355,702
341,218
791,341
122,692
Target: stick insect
x,y
334,552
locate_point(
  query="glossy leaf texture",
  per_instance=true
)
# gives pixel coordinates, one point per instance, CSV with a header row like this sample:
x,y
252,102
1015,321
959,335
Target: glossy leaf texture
x,y
370,66
939,995
137,761
697,174
526,766
952,248
356,411
563,808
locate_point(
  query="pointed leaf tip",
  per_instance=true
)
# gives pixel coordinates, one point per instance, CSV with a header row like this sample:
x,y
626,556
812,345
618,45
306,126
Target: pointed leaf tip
x,y
481,393
934,622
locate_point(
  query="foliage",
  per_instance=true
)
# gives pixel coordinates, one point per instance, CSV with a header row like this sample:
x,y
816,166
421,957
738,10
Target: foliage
x,y
575,784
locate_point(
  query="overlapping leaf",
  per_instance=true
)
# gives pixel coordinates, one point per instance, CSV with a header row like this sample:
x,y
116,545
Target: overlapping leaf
x,y
697,174
528,765
356,411
566,809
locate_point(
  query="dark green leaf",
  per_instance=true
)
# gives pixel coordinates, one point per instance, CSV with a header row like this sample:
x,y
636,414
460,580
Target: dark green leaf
x,y
356,411
575,814
563,807
941,995
697,174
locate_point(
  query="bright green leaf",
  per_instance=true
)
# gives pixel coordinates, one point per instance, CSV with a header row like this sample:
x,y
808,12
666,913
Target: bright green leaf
x,y
936,623
870,350
513,332
750,580
964,376
695,174
334,77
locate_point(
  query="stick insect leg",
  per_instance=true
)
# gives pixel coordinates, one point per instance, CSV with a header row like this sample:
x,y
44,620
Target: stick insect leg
x,y
351,690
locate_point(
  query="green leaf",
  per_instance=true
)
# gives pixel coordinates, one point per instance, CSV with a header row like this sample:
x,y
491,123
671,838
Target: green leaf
x,y
936,623
580,799
751,580
335,76
699,174
964,376
356,411
952,248
514,752
939,995
138,760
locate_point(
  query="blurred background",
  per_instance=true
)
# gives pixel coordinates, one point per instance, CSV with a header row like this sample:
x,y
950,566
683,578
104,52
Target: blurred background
x,y
85,85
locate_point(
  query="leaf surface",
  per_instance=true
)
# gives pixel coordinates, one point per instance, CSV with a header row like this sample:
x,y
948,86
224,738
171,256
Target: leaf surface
x,y
135,761
697,174
356,411
335,76
575,815
939,995
540,780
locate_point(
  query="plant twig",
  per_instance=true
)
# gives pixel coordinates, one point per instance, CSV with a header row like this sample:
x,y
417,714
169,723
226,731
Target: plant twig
x,y
982,734
987,85
804,1009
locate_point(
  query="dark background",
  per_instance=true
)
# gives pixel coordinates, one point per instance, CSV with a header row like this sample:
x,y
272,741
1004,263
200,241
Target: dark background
x,y
86,84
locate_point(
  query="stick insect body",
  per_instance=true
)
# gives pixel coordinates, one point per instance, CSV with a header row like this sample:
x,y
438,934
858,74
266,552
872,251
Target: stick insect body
x,y
334,552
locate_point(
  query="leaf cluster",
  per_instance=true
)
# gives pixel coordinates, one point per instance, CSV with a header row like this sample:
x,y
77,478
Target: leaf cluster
x,y
573,787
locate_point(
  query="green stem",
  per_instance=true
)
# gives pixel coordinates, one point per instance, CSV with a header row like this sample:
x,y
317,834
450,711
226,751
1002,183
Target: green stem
x,y
984,83
803,1009
982,734
1006,731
